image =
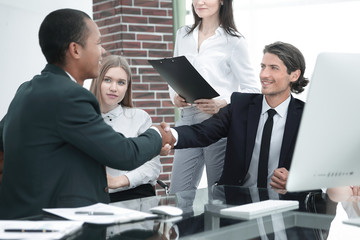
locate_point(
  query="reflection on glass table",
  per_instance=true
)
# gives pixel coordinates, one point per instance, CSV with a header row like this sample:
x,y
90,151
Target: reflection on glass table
x,y
201,219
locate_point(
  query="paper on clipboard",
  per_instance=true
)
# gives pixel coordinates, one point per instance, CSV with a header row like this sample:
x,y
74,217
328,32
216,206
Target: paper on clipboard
x,y
183,78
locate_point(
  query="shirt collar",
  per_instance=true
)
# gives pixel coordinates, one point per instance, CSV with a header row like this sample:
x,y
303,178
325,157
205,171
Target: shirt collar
x,y
281,109
218,31
113,113
71,77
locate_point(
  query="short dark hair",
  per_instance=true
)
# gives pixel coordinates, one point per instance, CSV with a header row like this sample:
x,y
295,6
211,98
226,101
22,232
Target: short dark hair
x,y
293,60
58,30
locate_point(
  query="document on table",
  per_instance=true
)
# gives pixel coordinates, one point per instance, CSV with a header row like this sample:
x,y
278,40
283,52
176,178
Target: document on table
x,y
101,214
37,229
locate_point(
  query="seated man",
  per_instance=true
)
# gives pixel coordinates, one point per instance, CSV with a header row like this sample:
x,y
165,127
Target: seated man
x,y
248,161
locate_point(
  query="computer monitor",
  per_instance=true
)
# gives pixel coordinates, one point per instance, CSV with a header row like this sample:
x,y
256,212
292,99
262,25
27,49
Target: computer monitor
x,y
327,150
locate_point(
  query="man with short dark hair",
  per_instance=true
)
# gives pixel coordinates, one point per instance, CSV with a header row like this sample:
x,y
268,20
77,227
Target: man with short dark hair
x,y
55,142
242,122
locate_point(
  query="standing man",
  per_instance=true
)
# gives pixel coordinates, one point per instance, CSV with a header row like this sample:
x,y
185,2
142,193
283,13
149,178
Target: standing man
x,y
55,142
242,122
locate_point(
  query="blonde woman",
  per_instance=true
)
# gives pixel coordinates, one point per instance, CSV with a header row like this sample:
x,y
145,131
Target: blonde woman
x,y
112,88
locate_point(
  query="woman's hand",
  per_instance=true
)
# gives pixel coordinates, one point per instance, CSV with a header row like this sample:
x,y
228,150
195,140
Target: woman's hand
x,y
210,106
117,182
180,102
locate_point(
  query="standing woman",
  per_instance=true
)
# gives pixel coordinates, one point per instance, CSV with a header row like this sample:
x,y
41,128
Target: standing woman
x,y
112,88
219,53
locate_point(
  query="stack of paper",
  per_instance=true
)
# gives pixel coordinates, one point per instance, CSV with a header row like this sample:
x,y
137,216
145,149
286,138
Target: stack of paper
x,y
100,214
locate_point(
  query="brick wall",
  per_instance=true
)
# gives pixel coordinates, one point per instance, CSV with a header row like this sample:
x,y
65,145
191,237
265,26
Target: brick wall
x,y
140,30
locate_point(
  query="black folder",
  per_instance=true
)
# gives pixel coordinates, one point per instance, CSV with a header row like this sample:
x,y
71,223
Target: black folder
x,y
184,78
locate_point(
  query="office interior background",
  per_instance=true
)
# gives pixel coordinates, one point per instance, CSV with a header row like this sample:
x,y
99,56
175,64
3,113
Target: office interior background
x,y
312,26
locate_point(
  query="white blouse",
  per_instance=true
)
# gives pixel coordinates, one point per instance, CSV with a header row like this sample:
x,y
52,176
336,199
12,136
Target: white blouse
x,y
131,122
222,60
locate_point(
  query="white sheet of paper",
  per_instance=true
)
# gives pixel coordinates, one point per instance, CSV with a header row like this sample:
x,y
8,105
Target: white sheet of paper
x,y
120,215
60,228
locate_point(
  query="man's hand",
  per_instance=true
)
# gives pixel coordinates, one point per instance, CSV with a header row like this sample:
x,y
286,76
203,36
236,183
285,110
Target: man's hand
x,y
279,178
168,139
210,106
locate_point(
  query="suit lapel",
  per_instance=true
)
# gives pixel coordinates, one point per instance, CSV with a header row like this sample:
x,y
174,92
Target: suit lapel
x,y
291,128
252,126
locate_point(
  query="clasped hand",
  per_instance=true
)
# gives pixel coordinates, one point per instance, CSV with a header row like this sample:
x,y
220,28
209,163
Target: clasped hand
x,y
168,139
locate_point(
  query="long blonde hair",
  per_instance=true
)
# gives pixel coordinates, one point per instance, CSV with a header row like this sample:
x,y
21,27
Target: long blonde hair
x,y
107,63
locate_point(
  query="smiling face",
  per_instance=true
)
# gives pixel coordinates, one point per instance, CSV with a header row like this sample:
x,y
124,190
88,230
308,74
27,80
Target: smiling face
x,y
207,9
275,80
113,88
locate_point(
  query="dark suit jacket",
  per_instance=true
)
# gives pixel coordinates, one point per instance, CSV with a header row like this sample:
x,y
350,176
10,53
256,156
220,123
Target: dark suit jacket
x,y
238,122
56,145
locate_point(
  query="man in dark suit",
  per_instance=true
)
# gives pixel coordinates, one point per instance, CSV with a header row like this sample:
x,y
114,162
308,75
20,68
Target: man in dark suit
x,y
55,142
242,121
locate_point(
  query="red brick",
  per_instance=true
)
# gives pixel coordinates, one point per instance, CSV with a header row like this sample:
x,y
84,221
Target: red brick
x,y
160,54
154,12
152,37
163,95
166,4
166,160
162,29
131,44
167,104
165,111
162,21
139,62
108,21
147,70
142,3
104,6
166,168
159,87
153,78
127,19
134,53
170,120
140,87
152,45
141,103
128,11
144,95
141,28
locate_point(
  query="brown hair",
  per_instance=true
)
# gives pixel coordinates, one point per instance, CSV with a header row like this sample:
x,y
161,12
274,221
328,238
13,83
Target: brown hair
x,y
107,63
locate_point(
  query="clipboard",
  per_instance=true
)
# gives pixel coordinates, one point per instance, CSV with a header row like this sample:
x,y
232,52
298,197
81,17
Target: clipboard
x,y
183,78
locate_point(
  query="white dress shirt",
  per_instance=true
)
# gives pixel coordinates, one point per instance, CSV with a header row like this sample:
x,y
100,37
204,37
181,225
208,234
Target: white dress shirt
x,y
275,143
222,60
131,122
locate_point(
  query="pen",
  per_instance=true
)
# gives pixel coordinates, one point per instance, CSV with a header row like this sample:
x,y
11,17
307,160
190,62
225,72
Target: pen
x,y
94,213
30,230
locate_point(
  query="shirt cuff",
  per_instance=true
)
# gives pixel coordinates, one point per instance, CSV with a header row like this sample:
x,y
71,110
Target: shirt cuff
x,y
173,132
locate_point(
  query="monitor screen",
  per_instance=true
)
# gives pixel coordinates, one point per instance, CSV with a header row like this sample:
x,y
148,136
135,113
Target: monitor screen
x,y
327,150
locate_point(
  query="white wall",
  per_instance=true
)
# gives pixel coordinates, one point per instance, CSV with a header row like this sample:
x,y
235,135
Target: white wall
x,y
312,26
21,57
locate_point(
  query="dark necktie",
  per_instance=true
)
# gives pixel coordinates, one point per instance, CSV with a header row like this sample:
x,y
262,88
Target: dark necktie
x,y
264,150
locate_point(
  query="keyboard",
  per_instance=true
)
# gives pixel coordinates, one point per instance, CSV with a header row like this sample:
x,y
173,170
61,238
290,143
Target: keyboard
x,y
260,209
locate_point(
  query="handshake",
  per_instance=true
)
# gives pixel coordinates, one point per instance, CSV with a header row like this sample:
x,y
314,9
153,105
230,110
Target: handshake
x,y
168,139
